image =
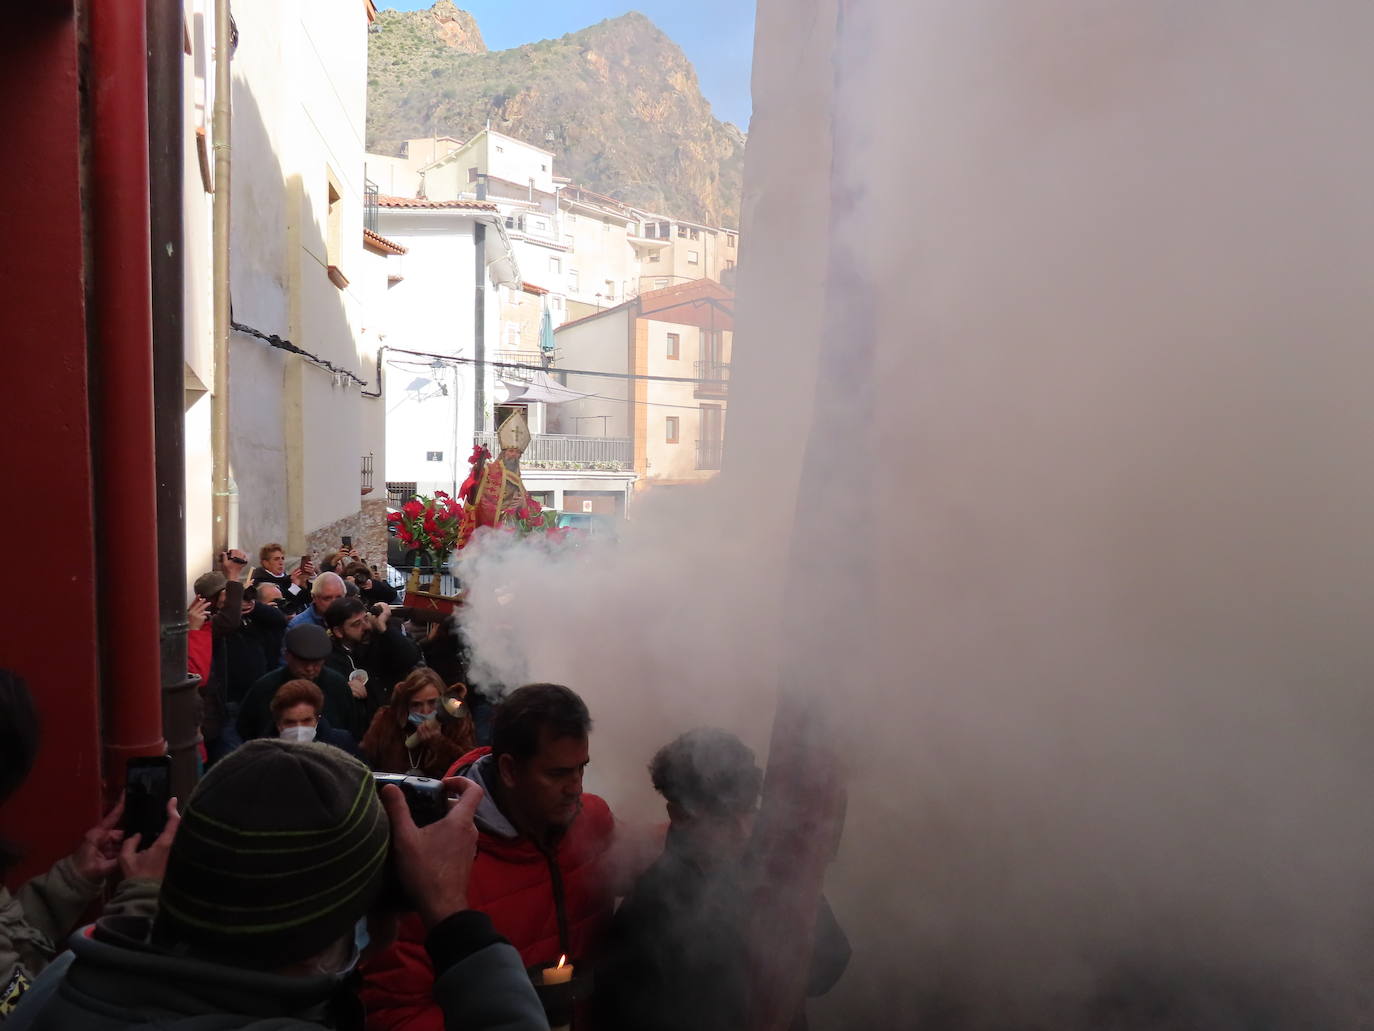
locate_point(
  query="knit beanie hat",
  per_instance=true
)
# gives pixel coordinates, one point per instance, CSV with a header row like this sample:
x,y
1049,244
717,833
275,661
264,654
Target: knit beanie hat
x,y
281,849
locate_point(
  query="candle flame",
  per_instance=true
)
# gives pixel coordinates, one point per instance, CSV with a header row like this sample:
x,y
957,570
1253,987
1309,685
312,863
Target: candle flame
x,y
561,961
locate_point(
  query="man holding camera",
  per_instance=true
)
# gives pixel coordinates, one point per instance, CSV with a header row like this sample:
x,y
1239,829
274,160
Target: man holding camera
x,y
543,869
254,936
372,642
217,619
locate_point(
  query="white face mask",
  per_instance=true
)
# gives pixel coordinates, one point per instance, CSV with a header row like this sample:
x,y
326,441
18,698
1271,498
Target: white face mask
x,y
298,734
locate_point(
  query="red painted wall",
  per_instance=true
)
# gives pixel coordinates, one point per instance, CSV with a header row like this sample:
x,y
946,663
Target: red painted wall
x,y
47,611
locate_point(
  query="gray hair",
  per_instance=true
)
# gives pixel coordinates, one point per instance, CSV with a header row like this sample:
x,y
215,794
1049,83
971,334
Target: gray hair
x,y
331,578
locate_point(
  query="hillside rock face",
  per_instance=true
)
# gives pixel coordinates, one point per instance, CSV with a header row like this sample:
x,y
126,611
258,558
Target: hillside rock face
x,y
618,103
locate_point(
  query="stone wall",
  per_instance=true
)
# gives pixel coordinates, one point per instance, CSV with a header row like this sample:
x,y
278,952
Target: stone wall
x,y
367,527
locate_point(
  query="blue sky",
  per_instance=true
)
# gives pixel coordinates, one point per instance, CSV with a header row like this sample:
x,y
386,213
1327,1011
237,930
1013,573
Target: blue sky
x,y
717,35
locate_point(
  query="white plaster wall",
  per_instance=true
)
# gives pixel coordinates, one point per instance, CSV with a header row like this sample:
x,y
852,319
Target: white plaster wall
x,y
599,345
299,106
598,254
432,310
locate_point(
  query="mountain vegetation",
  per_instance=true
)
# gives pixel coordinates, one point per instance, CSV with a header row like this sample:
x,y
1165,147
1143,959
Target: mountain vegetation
x,y
618,103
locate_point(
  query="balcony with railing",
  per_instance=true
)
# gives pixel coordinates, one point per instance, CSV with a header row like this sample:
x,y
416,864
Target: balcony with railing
x,y
571,452
713,379
709,453
367,473
371,204
506,359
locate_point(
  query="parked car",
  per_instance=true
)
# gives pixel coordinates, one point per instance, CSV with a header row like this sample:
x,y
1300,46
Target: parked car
x,y
590,523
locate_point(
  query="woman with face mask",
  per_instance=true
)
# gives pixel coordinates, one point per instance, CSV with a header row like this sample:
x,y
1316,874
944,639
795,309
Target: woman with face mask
x,y
296,709
423,731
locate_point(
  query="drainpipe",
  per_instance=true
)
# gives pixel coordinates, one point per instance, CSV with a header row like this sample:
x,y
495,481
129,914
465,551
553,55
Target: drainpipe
x,y
121,362
165,163
219,400
479,328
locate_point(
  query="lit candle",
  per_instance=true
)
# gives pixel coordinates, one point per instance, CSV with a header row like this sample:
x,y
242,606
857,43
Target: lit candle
x,y
560,974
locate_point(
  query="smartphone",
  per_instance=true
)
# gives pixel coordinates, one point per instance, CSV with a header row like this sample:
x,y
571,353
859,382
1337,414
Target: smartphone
x,y
305,562
347,541
147,790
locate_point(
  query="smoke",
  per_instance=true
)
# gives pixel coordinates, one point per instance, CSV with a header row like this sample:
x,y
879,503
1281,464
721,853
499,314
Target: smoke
x,y
647,627
1088,468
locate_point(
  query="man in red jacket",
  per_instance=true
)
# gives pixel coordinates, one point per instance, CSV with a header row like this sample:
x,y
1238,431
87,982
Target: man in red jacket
x,y
543,870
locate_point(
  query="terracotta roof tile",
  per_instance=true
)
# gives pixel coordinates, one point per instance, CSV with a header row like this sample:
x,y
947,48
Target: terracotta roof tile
x,y
435,205
379,242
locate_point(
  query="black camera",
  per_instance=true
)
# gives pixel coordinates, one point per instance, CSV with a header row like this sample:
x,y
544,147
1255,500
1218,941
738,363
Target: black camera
x,y
425,798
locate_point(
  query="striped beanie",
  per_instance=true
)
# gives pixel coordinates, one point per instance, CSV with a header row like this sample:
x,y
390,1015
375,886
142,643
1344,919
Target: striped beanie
x,y
281,849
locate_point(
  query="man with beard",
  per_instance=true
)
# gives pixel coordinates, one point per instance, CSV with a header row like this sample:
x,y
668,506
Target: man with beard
x,y
371,643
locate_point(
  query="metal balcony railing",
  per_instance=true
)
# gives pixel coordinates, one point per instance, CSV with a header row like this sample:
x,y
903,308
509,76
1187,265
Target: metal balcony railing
x,y
714,379
568,451
371,204
709,453
533,358
367,473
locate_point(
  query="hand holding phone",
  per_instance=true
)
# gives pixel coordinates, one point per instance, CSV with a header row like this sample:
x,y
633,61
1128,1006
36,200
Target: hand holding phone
x,y
148,789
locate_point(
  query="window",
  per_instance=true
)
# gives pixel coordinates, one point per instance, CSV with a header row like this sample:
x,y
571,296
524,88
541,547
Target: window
x,y
572,279
654,258
472,174
556,303
434,456
693,257
609,292
682,232
556,266
729,263
516,222
696,234
541,224
670,434
543,168
512,336
674,344
567,240
731,240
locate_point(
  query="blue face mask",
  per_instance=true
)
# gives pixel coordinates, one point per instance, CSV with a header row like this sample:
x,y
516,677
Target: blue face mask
x,y
418,718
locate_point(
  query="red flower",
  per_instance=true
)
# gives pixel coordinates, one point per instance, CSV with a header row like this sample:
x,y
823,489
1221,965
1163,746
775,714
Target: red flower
x,y
413,509
405,535
440,494
430,526
394,517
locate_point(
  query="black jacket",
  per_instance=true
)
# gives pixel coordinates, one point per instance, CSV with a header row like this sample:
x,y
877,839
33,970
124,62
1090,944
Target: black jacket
x,y
388,659
675,958
293,598
252,650
340,707
113,980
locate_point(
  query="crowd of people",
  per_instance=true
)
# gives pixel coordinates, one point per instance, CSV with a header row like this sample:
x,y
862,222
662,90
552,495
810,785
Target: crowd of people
x,y
291,893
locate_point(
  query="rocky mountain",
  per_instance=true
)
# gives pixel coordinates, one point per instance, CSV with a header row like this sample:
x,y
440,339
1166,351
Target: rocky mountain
x,y
618,103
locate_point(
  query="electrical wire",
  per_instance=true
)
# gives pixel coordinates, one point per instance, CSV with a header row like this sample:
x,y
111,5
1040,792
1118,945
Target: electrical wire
x,y
418,367
570,372
287,345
